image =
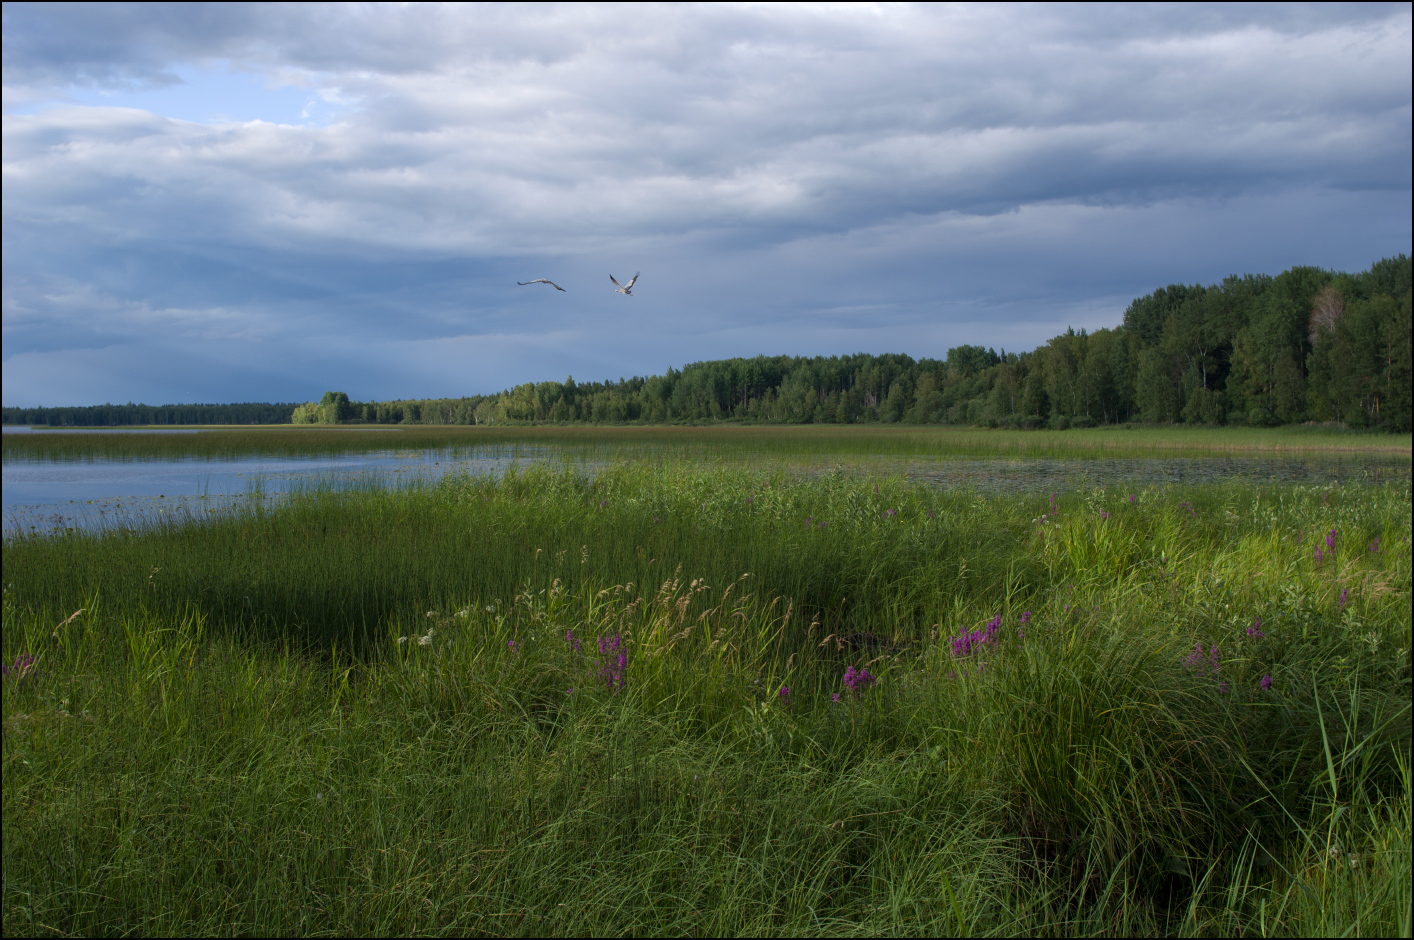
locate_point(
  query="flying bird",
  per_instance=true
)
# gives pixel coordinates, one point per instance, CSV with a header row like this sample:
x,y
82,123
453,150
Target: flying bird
x,y
542,280
627,290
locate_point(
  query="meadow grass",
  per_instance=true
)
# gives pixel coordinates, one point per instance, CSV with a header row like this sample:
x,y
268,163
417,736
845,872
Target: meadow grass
x,y
676,697
714,442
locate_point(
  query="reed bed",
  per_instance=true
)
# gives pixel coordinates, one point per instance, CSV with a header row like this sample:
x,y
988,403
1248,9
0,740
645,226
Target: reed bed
x,y
713,442
677,697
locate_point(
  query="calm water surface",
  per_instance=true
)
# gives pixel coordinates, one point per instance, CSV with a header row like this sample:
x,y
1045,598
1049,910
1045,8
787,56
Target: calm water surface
x,y
43,495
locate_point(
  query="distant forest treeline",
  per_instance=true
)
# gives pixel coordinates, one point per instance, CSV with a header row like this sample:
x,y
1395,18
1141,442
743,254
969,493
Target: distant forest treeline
x,y
106,415
1307,344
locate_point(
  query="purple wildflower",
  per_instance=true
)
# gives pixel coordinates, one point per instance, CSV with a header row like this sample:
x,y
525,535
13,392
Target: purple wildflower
x,y
1344,593
1319,555
1197,661
569,638
1104,515
966,642
835,698
1222,688
1375,545
1330,540
511,645
857,679
1025,616
784,695
876,489
22,667
1266,683
603,503
613,662
1256,629
1131,497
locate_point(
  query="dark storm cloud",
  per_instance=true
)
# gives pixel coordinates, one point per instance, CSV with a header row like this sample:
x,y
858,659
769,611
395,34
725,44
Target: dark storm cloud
x,y
810,180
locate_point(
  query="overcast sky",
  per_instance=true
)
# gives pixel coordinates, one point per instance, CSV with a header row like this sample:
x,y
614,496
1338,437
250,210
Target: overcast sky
x,y
235,202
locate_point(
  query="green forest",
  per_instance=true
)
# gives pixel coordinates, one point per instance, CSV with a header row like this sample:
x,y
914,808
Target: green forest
x,y
1306,345
113,415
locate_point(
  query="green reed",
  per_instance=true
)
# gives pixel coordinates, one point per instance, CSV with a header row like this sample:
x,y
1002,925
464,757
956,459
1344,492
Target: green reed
x,y
387,709
712,442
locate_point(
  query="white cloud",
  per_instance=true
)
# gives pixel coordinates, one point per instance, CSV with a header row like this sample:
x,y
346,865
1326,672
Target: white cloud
x,y
776,157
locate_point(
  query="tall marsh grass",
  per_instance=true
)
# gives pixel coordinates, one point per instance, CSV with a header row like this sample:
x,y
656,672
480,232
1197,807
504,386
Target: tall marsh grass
x,y
553,703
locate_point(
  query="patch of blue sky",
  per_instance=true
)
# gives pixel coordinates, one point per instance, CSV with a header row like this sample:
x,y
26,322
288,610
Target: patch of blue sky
x,y
210,94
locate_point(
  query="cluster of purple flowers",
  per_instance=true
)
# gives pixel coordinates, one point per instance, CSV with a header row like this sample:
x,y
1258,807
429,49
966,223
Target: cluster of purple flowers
x,y
1197,661
571,641
857,679
1344,594
1131,497
613,662
1189,506
811,520
20,669
1255,630
1203,664
784,695
889,513
966,642
1330,540
1375,545
1020,630
1104,515
1318,555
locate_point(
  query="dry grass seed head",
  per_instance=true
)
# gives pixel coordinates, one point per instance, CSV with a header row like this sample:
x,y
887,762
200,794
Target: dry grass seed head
x,y
68,620
1375,584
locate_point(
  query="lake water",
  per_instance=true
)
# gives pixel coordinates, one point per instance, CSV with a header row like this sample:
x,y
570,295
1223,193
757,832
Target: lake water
x,y
44,495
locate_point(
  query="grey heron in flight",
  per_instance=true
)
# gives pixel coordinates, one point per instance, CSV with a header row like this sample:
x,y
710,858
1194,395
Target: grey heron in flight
x,y
627,289
542,280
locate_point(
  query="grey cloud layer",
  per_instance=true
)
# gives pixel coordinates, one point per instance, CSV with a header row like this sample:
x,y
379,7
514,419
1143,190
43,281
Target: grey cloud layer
x,y
728,145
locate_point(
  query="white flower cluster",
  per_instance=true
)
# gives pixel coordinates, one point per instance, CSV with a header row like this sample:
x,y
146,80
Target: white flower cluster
x,y
421,640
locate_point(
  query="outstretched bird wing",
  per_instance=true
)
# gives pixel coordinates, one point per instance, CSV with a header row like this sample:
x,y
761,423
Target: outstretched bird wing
x,y
542,280
616,283
630,283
